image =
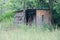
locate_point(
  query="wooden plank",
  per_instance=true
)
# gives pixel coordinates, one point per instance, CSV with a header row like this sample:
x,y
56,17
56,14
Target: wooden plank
x,y
19,18
47,17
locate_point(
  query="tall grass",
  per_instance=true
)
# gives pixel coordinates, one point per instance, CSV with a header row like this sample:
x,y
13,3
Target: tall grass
x,y
25,32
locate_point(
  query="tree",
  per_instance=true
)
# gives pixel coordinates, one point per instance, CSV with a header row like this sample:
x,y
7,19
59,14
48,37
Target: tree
x,y
56,11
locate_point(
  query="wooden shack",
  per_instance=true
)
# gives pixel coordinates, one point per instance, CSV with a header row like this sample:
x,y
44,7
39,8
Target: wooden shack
x,y
29,16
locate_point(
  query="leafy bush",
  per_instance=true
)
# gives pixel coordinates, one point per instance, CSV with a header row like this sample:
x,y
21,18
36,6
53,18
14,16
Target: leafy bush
x,y
7,15
56,17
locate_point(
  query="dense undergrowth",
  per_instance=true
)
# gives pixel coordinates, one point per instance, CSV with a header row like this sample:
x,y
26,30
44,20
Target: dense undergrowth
x,y
26,32
7,16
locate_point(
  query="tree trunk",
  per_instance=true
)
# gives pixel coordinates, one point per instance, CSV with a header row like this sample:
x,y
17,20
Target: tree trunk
x,y
51,9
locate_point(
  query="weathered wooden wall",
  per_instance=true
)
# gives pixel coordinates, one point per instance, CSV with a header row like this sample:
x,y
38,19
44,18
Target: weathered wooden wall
x,y
43,16
19,17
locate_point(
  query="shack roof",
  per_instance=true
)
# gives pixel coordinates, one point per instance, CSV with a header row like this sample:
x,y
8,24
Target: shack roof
x,y
18,11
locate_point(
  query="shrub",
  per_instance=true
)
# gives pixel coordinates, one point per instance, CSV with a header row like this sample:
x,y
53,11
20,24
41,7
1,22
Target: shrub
x,y
7,15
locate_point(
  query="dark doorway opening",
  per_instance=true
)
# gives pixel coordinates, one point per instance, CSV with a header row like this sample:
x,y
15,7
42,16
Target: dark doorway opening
x,y
30,15
42,18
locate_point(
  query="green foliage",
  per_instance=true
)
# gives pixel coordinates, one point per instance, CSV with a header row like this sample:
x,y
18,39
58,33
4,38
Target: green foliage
x,y
7,15
17,4
56,12
56,17
22,4
57,6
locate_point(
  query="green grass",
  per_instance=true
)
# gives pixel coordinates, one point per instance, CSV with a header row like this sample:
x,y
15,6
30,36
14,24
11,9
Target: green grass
x,y
22,32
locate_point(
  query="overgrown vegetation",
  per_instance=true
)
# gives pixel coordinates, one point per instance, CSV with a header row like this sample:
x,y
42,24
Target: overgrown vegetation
x,y
22,32
7,16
